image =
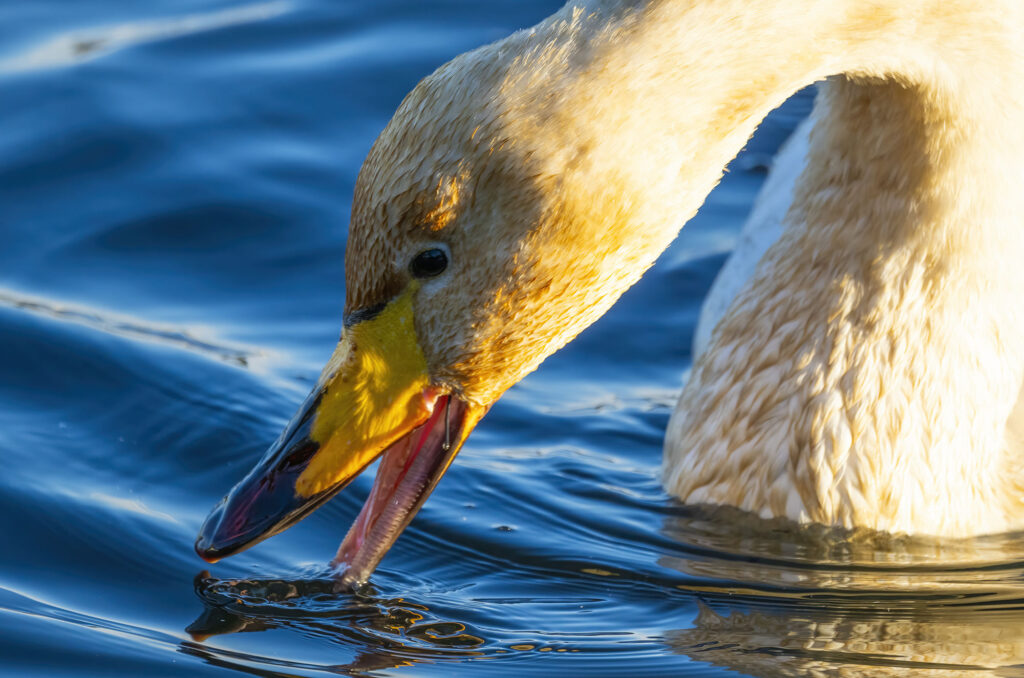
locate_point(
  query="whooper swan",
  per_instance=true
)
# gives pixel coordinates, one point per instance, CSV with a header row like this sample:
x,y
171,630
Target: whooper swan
x,y
866,374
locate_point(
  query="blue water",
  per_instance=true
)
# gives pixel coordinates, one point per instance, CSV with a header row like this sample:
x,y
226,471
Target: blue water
x,y
175,181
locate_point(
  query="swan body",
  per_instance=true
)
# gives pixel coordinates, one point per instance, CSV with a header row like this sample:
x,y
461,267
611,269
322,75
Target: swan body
x,y
868,348
864,375
760,231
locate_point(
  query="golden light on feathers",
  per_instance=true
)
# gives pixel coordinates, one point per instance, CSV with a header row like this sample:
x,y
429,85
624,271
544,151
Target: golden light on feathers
x,y
866,374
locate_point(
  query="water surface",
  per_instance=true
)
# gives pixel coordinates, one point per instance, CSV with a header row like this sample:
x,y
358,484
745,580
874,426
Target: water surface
x,y
175,180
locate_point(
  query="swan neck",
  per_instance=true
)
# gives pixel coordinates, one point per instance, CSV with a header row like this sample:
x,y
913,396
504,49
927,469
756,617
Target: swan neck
x,y
656,97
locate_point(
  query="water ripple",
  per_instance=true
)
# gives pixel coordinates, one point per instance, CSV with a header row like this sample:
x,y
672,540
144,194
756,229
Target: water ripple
x,y
82,45
133,328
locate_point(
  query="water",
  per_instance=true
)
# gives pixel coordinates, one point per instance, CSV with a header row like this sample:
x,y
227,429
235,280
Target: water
x,y
174,188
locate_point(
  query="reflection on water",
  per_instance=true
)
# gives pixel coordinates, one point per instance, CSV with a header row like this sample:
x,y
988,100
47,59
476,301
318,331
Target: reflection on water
x,y
799,602
392,632
84,44
771,599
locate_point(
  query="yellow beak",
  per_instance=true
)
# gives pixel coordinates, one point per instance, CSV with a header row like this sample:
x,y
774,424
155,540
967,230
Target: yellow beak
x,y
374,397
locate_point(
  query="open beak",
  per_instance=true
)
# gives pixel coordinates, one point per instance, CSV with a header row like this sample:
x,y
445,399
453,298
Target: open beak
x,y
374,399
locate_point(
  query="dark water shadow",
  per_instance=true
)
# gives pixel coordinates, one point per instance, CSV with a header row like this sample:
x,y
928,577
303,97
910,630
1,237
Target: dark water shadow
x,y
387,632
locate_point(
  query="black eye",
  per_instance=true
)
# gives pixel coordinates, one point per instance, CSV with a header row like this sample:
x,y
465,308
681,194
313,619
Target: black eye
x,y
429,263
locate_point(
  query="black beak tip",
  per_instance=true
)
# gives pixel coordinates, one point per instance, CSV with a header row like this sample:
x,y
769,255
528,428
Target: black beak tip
x,y
207,550
207,546
249,514
207,554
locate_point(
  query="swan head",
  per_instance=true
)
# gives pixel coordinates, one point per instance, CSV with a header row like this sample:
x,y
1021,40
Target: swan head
x,y
480,242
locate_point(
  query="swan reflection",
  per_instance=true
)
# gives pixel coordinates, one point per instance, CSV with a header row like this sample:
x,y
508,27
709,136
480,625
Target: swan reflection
x,y
762,597
388,632
779,600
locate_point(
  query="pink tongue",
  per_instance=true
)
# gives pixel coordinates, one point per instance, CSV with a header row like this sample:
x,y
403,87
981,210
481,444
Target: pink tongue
x,y
407,473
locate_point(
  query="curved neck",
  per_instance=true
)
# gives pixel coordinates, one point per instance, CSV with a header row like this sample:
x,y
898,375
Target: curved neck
x,y
866,374
657,96
621,115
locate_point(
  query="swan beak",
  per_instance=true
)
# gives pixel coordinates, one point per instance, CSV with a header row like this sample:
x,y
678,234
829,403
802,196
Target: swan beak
x,y
374,399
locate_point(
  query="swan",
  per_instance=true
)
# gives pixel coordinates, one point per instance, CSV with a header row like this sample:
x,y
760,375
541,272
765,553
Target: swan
x,y
865,372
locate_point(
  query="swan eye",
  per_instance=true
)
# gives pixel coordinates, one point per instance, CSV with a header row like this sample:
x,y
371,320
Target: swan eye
x,y
429,263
